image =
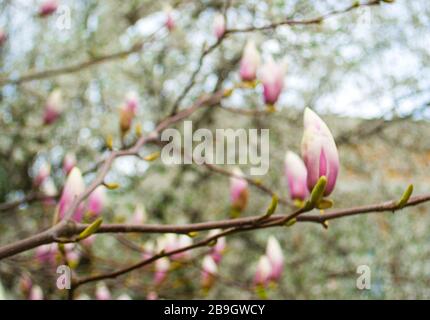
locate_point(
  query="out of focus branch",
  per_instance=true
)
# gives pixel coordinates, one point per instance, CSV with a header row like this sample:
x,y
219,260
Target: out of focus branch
x,y
315,20
62,229
231,227
49,73
29,198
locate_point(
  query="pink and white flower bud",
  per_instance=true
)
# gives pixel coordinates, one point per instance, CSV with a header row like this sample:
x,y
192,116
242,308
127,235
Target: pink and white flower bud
x,y
238,190
219,26
272,76
276,257
152,295
296,174
49,190
183,241
170,20
124,296
36,293
48,7
73,255
3,37
209,272
69,162
148,250
46,254
167,242
219,248
319,152
128,111
88,242
73,187
96,201
162,267
25,285
263,272
250,62
43,173
132,102
53,107
139,215
102,292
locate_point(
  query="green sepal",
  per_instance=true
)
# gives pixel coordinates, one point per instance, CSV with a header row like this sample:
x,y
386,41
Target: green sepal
x,y
405,197
91,229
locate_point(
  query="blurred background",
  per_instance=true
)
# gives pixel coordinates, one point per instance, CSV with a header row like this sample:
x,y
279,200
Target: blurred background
x,y
365,72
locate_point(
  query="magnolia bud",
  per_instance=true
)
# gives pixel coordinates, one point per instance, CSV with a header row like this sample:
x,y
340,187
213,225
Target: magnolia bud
x,y
183,241
263,272
73,256
276,257
167,242
295,172
132,101
139,215
162,266
25,284
250,62
128,112
73,187
152,295
96,201
219,248
88,241
48,7
219,26
124,296
102,292
43,173
238,191
3,37
148,250
49,189
319,152
53,107
170,21
209,272
272,77
46,254
69,162
36,293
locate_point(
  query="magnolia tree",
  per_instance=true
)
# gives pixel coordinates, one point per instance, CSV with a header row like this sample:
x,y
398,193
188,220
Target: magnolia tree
x,y
107,192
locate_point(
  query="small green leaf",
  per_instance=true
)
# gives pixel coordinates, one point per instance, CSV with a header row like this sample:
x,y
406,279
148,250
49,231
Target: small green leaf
x,y
405,197
212,243
325,204
193,234
273,205
91,229
325,224
235,213
291,222
318,191
261,292
152,156
298,203
111,186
